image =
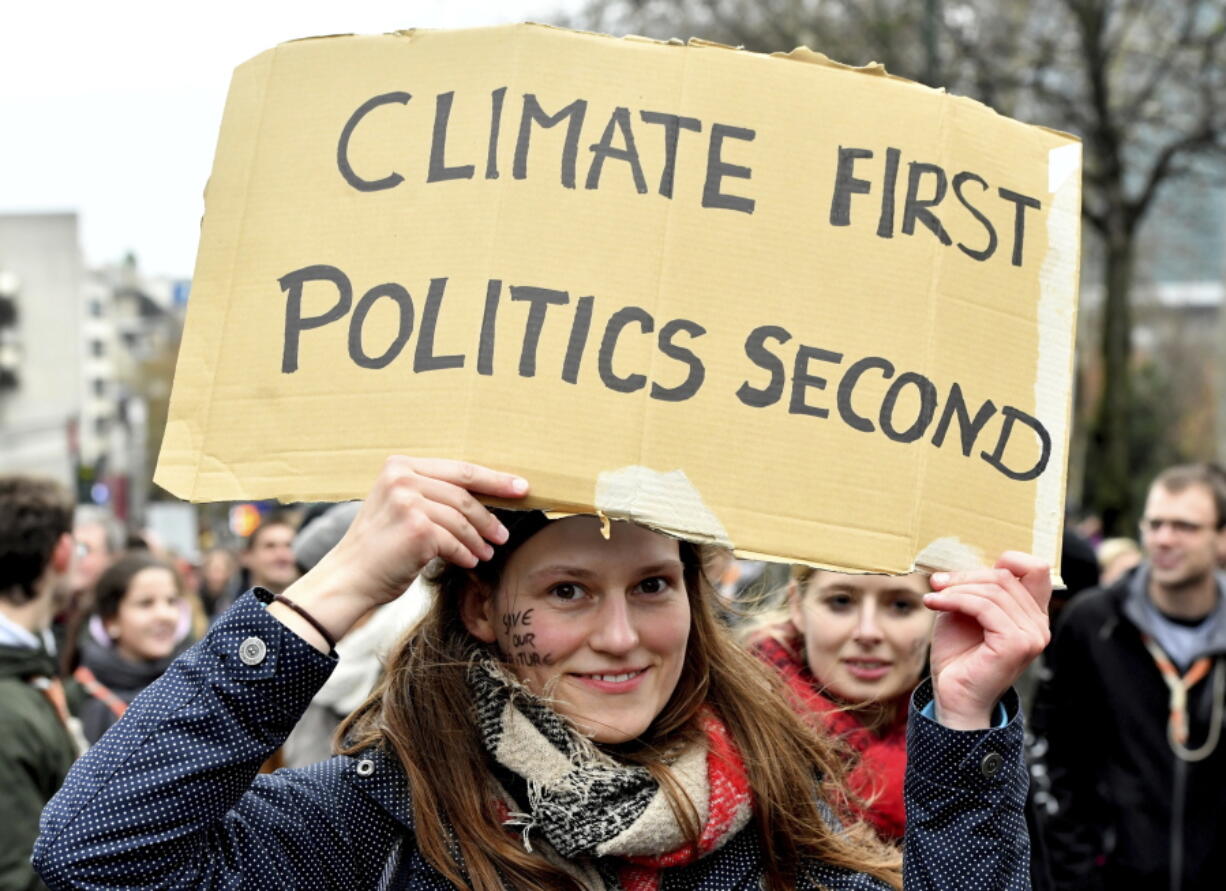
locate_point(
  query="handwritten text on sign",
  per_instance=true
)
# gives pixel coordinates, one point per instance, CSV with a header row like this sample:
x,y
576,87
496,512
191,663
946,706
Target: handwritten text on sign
x,y
780,368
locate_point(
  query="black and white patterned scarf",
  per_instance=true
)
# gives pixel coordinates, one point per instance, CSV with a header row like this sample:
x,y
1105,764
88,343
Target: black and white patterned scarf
x,y
580,800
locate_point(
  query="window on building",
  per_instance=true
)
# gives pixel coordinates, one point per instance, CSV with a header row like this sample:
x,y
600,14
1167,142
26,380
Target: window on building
x,y
95,308
99,387
101,426
97,348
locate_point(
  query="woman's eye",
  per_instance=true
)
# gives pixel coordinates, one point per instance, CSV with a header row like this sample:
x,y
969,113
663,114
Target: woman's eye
x,y
838,602
903,607
566,591
654,585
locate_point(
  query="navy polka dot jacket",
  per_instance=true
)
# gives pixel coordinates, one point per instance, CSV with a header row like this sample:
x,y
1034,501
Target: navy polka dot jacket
x,y
170,797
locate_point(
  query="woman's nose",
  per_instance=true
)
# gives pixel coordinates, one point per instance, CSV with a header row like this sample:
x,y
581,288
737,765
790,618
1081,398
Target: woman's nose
x,y
614,630
867,629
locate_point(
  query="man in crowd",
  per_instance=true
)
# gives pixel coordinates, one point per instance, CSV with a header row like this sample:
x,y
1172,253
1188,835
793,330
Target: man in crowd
x,y
37,742
99,540
1133,703
269,555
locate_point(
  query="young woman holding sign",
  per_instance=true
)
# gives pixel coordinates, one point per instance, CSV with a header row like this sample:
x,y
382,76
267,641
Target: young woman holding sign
x,y
850,650
569,714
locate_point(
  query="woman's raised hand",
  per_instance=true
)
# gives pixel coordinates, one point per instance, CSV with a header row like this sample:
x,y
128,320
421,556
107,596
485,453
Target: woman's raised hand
x,y
993,622
418,509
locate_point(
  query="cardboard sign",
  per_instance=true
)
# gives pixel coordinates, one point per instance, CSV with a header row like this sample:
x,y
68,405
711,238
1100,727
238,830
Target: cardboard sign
x,y
816,313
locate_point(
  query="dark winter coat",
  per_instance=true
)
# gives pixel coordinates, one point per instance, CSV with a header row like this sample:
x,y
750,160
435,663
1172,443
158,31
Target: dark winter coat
x,y
36,751
170,796
1131,813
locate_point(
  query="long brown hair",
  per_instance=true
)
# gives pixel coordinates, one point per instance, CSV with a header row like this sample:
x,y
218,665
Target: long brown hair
x,y
417,713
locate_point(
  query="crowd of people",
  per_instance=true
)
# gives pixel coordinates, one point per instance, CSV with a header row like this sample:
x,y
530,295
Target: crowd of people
x,y
495,698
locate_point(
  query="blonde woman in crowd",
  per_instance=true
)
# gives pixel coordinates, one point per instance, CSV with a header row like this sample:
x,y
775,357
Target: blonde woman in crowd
x,y
851,650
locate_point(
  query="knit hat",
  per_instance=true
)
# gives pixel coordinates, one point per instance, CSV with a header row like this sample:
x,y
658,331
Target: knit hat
x,y
322,534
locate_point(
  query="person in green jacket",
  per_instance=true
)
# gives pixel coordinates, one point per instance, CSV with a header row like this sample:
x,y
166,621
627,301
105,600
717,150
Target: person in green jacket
x,y
37,742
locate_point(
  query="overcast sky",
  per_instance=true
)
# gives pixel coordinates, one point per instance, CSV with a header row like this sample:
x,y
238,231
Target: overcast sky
x,y
111,109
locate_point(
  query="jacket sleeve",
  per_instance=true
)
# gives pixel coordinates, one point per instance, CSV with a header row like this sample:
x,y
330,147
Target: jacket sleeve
x,y
965,795
169,796
1068,723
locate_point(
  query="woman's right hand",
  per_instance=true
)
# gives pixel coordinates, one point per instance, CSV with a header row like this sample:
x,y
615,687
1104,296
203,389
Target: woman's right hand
x,y
418,509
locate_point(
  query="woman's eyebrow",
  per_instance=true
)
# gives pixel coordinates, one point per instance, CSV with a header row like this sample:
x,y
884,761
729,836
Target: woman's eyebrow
x,y
562,569
661,567
582,572
839,588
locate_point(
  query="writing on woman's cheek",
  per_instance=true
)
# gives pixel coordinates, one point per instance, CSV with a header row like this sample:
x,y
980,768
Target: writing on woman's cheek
x,y
523,642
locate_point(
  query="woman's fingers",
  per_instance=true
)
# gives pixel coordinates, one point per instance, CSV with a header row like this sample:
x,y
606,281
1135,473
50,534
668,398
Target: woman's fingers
x,y
452,483
997,611
1033,573
469,476
455,549
1022,601
459,535
982,603
475,515
1019,601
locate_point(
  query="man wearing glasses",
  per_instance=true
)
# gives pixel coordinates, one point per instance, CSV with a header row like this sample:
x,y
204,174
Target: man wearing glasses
x,y
1132,707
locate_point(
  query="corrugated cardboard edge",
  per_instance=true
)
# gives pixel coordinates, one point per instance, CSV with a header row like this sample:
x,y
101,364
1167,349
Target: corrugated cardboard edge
x,y
1058,281
801,55
183,447
666,501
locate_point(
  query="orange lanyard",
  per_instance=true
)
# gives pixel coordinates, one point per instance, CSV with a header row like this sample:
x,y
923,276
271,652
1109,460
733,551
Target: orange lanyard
x,y
1178,687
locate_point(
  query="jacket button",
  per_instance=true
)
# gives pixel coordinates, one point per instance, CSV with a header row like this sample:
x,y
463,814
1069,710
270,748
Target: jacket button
x,y
990,765
252,651
366,767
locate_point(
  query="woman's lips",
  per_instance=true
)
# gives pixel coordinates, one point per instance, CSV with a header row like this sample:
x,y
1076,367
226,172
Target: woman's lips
x,y
621,681
867,669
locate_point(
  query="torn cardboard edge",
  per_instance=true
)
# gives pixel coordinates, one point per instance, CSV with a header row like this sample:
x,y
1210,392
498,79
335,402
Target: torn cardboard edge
x,y
800,54
667,502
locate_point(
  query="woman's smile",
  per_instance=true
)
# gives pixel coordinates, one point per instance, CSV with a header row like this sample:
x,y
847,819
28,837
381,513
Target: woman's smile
x,y
612,682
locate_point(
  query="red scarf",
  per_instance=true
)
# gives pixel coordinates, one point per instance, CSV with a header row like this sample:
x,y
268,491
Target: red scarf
x,y
730,796
876,780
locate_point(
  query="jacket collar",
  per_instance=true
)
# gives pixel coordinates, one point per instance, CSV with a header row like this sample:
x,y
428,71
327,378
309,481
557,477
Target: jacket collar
x,y
378,775
1135,594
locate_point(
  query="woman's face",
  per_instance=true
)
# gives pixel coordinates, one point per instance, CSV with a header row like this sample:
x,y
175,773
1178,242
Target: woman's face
x,y
865,636
598,625
148,617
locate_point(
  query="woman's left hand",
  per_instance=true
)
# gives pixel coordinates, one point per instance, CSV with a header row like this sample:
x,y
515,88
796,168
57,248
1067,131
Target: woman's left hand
x,y
993,622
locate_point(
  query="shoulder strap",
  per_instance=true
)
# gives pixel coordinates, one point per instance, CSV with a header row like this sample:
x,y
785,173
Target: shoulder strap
x,y
96,689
